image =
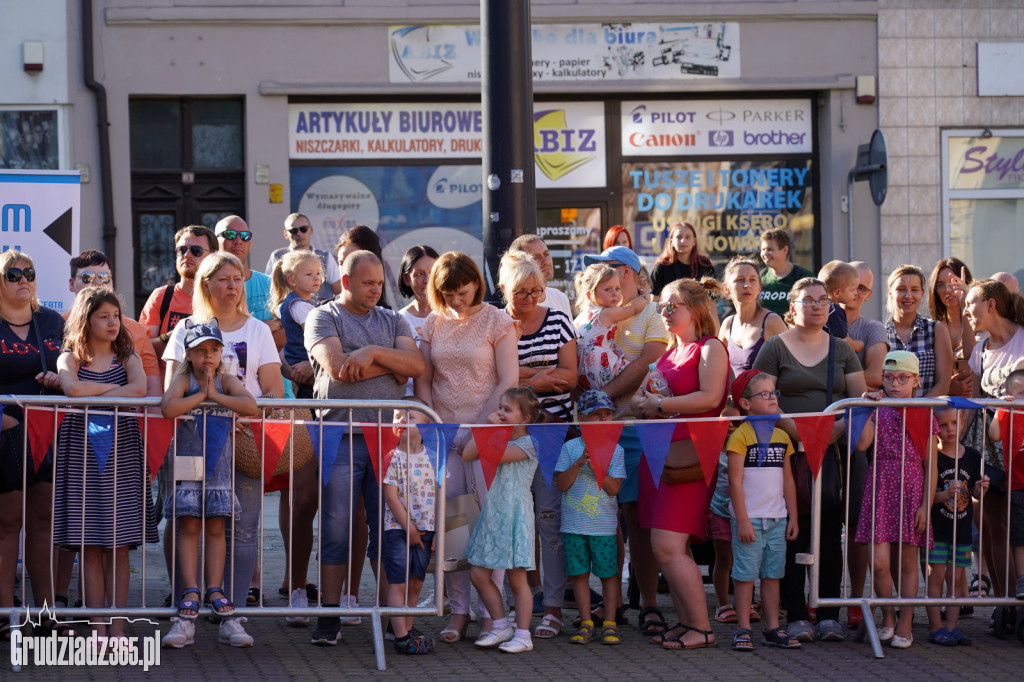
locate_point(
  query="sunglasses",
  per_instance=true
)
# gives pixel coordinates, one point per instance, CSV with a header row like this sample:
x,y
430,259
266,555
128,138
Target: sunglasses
x,y
194,249
295,230
88,277
667,308
231,235
15,274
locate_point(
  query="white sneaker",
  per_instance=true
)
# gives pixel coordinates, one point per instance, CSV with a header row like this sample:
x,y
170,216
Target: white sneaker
x,y
299,601
495,637
351,602
516,646
232,632
183,633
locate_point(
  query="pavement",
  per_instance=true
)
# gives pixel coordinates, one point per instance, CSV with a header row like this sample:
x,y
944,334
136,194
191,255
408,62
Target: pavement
x,y
283,651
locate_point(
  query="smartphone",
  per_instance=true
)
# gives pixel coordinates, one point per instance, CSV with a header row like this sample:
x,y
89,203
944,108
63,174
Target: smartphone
x,y
959,365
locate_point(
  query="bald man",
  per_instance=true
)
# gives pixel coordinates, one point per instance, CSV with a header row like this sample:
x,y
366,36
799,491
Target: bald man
x,y
1009,280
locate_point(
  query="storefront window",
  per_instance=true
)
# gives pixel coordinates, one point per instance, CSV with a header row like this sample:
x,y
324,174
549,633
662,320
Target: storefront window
x,y
29,139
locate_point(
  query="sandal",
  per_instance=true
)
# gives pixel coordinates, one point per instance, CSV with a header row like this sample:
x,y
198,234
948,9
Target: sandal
x,y
584,635
980,586
742,640
755,613
649,627
414,644
253,598
222,606
594,616
780,638
620,615
726,614
188,608
550,626
451,634
676,643
55,627
610,635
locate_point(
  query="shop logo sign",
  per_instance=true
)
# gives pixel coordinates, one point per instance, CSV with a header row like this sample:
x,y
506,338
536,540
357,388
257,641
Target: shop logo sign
x,y
638,114
720,115
455,186
559,148
720,138
417,56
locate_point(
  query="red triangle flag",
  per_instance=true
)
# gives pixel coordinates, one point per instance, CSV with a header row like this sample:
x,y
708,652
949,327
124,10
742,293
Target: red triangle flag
x,y
1012,441
601,439
708,439
41,431
274,433
919,428
491,442
157,432
815,433
381,442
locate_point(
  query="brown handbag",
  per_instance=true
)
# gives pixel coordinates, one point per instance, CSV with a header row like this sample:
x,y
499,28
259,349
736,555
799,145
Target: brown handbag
x,y
686,474
247,454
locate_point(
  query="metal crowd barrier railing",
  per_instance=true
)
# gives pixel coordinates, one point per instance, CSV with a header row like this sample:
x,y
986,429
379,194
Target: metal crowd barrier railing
x,y
970,413
43,416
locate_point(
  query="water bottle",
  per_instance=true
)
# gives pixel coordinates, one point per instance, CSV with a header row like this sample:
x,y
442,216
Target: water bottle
x,y
658,383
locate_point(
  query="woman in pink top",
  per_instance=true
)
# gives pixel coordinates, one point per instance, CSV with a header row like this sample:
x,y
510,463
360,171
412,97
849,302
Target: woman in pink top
x,y
471,355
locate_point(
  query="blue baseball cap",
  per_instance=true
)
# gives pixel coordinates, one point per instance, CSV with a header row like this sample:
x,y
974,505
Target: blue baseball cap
x,y
593,400
195,334
616,254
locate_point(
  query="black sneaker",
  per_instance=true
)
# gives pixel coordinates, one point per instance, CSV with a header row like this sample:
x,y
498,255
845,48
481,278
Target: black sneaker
x,y
312,594
326,632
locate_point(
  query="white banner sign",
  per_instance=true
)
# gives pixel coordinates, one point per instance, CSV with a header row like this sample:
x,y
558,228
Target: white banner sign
x,y
725,127
41,217
569,137
573,52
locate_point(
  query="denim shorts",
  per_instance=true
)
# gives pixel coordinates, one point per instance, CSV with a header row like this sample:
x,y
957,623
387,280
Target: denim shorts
x,y
765,557
394,547
597,554
340,495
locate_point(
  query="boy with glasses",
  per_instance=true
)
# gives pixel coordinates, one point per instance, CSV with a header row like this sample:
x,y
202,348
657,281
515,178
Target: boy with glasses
x,y
299,233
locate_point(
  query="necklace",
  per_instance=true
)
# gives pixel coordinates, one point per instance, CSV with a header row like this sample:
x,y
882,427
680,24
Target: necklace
x,y
18,324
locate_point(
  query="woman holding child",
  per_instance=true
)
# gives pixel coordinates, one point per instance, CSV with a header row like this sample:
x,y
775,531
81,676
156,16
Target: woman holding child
x,y
697,370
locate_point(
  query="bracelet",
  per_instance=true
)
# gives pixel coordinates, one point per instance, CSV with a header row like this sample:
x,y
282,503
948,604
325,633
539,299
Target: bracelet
x,y
165,337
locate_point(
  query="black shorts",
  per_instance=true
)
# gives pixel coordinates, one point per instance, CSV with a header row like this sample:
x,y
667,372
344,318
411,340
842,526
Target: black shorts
x,y
1017,518
13,461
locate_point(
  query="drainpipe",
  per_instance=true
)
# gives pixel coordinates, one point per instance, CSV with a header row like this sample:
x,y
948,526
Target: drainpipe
x,y
103,126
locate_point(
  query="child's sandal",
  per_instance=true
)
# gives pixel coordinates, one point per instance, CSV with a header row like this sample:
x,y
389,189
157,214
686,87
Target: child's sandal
x,y
610,635
222,606
584,635
726,614
780,638
742,640
188,608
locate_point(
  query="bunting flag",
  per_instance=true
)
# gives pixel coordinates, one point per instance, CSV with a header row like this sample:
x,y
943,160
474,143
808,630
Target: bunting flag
x,y
157,432
39,422
856,419
919,428
764,428
960,403
491,442
708,439
214,434
274,434
330,435
601,439
381,441
815,433
655,436
547,441
438,439
1012,439
101,437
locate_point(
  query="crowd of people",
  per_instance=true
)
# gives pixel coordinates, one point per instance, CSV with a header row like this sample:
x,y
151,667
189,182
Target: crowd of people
x,y
317,325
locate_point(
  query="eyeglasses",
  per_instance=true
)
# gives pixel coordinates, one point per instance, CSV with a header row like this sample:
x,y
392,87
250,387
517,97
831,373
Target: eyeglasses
x,y
15,274
813,302
295,230
230,235
523,295
194,249
766,395
898,379
88,277
667,308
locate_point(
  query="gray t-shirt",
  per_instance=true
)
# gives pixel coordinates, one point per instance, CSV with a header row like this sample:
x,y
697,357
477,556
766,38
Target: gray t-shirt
x,y
379,327
869,332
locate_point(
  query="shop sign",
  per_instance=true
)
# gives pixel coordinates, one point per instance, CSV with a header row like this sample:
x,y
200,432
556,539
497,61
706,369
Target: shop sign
x,y
719,128
573,52
986,162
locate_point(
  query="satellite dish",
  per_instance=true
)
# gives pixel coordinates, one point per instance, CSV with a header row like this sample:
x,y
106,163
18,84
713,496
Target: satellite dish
x,y
872,165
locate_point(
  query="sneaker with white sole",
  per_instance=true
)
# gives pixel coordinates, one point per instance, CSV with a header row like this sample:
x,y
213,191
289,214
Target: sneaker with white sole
x,y
326,631
299,601
496,637
183,633
352,602
516,646
232,632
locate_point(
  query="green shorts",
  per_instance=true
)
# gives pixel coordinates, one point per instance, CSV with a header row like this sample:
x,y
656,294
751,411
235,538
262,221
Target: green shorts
x,y
597,554
943,553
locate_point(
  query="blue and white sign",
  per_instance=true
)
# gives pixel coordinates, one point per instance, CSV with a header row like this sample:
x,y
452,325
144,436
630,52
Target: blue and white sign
x,y
40,216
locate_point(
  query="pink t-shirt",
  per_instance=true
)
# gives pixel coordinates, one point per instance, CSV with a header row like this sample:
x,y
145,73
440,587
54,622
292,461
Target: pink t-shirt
x,y
681,367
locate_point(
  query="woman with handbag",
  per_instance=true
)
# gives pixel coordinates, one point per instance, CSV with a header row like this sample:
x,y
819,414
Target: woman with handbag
x,y
30,336
250,355
548,366
696,368
469,348
814,369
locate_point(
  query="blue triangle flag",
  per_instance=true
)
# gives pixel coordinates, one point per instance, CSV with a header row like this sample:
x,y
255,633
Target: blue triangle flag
x,y
101,437
960,403
332,434
764,427
655,437
548,440
437,440
214,433
856,419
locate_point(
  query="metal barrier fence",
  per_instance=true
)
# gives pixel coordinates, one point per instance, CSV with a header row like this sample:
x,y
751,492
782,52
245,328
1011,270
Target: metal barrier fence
x,y
915,415
97,421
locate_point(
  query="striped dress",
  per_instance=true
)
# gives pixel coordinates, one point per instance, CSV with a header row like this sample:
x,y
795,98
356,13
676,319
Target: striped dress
x,y
80,487
540,351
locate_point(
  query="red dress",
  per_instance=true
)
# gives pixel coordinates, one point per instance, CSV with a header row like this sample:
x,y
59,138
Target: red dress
x,y
680,507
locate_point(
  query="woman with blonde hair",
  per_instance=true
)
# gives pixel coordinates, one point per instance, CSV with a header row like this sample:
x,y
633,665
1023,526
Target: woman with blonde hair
x,y
908,330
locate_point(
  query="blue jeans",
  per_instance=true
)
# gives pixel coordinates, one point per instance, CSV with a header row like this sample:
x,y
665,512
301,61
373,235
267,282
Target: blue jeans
x,y
340,494
244,533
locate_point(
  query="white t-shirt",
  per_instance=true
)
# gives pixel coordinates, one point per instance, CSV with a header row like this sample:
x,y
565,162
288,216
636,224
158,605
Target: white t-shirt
x,y
554,298
413,475
993,366
300,310
415,323
245,350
